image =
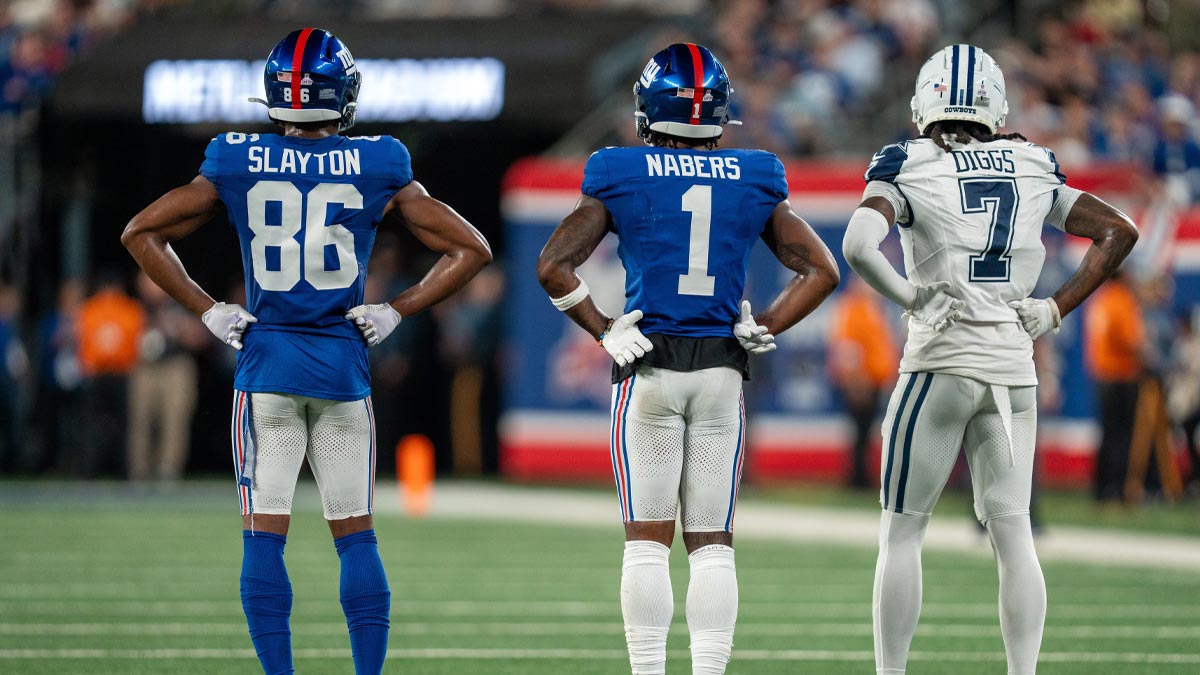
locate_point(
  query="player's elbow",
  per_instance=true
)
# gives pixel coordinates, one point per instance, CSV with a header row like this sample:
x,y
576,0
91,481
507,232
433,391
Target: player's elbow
x,y
131,235
1124,234
481,252
827,275
549,271
854,251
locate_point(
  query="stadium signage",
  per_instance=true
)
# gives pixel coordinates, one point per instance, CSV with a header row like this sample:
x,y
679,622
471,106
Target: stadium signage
x,y
394,90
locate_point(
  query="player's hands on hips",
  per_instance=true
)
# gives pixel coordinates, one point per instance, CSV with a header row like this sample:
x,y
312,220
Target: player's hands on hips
x,y
753,337
228,322
375,322
1038,317
935,306
624,341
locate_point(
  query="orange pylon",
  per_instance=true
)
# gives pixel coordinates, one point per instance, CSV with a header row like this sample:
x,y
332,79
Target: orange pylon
x,y
414,469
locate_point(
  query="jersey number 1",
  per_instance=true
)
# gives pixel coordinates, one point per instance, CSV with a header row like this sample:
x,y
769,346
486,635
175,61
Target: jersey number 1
x,y
318,235
698,202
998,198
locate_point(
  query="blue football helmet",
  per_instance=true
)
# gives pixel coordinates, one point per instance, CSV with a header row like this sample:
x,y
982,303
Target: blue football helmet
x,y
311,77
683,91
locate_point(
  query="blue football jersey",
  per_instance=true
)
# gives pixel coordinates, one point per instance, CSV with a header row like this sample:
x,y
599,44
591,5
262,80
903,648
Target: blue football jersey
x,y
305,212
686,221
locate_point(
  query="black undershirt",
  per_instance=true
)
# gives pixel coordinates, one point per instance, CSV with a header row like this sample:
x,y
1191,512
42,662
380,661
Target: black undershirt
x,y
676,352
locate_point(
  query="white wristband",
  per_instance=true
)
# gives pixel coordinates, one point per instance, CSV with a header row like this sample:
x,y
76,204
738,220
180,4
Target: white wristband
x,y
574,297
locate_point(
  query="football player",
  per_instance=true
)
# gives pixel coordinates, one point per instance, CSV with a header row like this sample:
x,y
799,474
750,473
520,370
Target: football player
x,y
686,216
970,205
305,205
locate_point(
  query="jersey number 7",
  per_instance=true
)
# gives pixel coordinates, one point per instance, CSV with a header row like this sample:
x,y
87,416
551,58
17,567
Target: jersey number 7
x,y
997,197
281,271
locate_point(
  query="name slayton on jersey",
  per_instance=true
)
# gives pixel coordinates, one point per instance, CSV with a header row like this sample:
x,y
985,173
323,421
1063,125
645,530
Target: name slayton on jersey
x,y
305,213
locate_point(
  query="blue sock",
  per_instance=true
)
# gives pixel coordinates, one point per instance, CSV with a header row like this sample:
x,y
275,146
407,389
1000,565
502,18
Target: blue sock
x,y
267,600
366,600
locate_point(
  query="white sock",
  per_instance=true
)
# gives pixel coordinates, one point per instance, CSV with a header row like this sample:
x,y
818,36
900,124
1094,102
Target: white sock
x,y
712,607
896,600
1022,591
647,605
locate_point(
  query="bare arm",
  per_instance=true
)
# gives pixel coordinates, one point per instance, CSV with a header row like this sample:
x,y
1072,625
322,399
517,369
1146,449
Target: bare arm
x,y
799,248
1112,235
464,250
173,216
571,244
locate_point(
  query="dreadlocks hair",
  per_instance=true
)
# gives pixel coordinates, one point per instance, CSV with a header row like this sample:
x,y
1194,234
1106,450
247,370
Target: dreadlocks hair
x,y
661,140
960,131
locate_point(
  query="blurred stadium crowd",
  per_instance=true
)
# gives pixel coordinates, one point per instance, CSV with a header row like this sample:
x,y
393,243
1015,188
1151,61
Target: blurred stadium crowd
x,y
110,382
813,78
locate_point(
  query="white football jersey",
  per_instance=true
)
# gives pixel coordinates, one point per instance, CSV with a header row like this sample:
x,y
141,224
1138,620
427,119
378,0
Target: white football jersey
x,y
972,216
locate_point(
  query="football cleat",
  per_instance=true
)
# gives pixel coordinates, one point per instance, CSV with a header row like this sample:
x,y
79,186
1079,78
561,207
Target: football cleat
x,y
961,82
683,91
311,77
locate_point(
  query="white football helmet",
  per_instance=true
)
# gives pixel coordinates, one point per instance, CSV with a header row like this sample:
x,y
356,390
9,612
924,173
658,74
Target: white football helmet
x,y
960,82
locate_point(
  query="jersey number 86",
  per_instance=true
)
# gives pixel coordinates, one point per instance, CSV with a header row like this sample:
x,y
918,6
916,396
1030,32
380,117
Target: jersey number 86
x,y
294,218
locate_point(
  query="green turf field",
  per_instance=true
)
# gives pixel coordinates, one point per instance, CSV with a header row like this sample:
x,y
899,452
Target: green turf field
x,y
110,587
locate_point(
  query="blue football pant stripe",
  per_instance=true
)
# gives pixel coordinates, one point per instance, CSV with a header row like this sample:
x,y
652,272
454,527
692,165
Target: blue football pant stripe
x,y
902,482
738,458
890,450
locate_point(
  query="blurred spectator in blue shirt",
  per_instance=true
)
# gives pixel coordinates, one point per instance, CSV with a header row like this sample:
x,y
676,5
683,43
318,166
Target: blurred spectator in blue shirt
x,y
1176,155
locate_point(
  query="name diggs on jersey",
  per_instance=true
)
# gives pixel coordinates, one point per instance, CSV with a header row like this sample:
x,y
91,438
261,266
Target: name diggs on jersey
x,y
983,160
333,163
697,166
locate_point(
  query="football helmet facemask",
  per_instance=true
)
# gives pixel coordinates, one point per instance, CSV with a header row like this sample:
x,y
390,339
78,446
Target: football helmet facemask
x,y
683,91
960,82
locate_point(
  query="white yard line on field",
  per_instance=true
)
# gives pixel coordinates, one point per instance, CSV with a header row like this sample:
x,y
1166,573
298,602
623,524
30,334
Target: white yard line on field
x,y
759,520
569,608
593,654
608,628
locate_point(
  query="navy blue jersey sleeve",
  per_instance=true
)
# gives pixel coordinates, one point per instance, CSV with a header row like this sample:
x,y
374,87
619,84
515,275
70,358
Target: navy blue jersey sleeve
x,y
886,163
596,182
211,169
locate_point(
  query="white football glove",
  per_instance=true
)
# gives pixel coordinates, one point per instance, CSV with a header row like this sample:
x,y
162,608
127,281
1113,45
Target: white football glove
x,y
623,341
753,337
1038,317
228,322
375,322
935,306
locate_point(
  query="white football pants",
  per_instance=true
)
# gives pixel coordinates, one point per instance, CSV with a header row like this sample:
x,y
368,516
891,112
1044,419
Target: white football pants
x,y
273,433
678,442
931,416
